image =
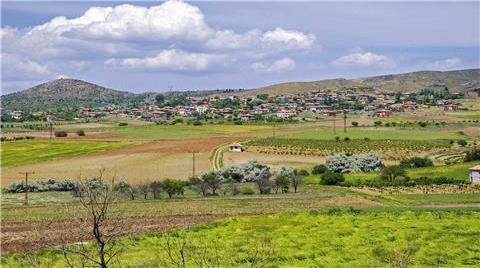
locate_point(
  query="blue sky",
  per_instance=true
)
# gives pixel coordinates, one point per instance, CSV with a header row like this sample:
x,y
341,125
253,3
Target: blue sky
x,y
150,46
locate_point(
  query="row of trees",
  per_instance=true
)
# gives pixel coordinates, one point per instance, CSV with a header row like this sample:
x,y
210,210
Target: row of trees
x,y
228,179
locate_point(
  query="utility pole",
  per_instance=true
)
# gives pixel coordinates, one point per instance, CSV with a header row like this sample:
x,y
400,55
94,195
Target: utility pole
x,y
344,121
51,130
193,165
26,185
274,129
334,123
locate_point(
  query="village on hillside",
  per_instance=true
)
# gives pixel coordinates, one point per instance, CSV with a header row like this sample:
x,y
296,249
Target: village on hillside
x,y
262,107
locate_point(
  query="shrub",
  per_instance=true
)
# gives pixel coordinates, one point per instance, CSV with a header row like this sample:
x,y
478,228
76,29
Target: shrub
x,y
248,190
61,133
472,155
355,124
80,132
319,169
122,124
343,163
302,172
42,186
462,143
422,124
416,162
331,178
197,123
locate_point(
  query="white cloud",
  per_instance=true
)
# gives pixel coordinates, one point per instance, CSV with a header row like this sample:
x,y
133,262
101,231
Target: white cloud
x,y
278,39
281,65
445,64
367,59
172,19
15,66
288,39
129,35
171,59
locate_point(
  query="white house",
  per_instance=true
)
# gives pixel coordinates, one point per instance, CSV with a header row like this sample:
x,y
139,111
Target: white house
x,y
236,147
475,174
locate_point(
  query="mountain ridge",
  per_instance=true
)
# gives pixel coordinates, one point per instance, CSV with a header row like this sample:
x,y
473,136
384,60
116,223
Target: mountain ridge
x,y
67,94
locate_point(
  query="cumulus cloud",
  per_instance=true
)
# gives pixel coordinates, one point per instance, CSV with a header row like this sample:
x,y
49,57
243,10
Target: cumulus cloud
x,y
445,64
127,35
172,19
281,65
367,59
170,59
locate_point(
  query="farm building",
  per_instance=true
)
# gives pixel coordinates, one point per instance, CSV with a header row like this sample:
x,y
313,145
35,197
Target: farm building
x,y
236,147
475,174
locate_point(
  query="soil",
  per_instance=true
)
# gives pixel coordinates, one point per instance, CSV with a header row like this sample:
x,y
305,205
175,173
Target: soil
x,y
29,236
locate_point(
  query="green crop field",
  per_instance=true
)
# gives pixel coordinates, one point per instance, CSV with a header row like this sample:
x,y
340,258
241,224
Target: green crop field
x,y
432,199
381,133
183,131
457,171
31,151
345,238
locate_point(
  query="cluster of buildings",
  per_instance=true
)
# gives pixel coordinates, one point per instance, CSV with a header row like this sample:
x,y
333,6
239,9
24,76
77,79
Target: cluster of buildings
x,y
326,102
247,108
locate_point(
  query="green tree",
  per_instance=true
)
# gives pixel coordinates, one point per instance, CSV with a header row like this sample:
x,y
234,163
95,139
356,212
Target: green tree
x,y
331,178
389,173
160,99
172,187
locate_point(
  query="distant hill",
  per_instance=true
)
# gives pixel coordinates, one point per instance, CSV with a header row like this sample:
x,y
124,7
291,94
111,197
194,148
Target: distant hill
x,y
456,81
67,95
70,94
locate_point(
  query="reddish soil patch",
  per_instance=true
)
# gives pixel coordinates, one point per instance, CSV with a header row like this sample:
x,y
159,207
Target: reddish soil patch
x,y
28,236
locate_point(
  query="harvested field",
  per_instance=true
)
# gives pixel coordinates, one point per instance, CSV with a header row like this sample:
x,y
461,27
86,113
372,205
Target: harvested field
x,y
152,160
28,236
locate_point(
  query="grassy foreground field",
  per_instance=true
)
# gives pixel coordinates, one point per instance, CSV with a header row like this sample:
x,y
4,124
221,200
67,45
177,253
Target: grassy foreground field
x,y
32,151
349,238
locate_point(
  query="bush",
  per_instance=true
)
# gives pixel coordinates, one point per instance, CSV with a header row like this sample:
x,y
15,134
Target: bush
x,y
343,163
402,181
319,169
80,132
122,124
61,133
331,178
354,124
302,172
416,162
248,190
197,123
462,143
50,185
472,155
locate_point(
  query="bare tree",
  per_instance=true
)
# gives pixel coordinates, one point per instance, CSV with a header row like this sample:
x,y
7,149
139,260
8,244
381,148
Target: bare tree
x,y
296,181
144,189
174,244
96,199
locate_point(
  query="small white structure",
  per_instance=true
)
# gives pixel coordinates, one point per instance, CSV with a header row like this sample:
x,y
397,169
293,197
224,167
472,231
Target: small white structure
x,y
236,147
475,174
